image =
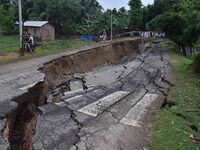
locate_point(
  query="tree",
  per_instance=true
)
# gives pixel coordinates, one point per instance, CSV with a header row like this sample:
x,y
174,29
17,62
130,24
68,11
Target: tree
x,y
70,17
135,14
123,18
89,8
180,19
6,18
63,14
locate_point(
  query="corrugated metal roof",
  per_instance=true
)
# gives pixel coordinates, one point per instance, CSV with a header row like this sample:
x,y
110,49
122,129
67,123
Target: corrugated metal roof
x,y
35,23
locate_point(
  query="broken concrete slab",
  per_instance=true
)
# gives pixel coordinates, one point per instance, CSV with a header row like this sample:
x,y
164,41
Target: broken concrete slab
x,y
3,142
48,108
110,68
7,107
100,105
55,127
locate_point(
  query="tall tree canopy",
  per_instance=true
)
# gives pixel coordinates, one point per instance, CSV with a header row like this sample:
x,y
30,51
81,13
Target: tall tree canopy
x,y
136,14
7,14
70,17
66,15
180,19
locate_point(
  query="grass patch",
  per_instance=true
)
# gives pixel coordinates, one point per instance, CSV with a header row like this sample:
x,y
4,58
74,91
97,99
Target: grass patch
x,y
9,43
174,128
46,49
9,39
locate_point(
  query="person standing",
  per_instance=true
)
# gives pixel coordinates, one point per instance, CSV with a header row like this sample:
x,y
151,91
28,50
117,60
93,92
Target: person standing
x,y
30,43
104,35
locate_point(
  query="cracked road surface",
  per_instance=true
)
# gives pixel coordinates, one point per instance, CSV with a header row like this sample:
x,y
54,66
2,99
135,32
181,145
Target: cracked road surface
x,y
108,107
111,113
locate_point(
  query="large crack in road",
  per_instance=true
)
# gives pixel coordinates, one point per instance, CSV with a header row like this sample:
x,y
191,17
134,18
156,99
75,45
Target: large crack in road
x,y
97,99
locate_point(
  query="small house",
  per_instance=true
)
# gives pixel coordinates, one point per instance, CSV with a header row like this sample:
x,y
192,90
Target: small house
x,y
41,29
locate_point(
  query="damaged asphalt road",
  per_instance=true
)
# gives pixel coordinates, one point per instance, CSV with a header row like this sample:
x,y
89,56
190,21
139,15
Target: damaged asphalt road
x,y
106,106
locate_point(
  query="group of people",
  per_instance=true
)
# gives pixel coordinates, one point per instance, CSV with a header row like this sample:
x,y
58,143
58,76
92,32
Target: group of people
x,y
145,34
103,37
148,34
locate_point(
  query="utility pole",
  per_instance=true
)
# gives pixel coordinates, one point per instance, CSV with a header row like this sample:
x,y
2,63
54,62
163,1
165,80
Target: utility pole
x,y
20,22
111,27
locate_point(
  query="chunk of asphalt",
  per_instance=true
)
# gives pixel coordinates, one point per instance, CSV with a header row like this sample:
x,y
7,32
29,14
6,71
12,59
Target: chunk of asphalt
x,y
48,108
3,142
56,130
7,107
73,93
75,85
136,114
102,104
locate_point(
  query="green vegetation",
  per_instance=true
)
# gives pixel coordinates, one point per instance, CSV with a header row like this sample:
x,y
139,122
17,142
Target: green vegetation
x,y
7,14
59,45
180,19
136,14
46,49
178,127
9,44
70,17
8,40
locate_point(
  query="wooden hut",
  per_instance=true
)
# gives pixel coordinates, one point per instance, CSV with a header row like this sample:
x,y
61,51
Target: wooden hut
x,y
41,29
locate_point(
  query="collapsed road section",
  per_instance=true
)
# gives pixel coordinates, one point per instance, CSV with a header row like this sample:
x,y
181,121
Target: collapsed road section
x,y
94,99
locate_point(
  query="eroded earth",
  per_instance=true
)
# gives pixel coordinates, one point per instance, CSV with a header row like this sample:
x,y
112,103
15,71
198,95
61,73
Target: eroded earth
x,y
98,98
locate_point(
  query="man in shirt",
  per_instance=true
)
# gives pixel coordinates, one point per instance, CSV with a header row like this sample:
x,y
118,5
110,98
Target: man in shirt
x,y
30,42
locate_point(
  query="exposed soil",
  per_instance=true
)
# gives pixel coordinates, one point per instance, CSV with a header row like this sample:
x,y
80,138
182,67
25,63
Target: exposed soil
x,y
23,120
58,73
9,55
39,123
21,135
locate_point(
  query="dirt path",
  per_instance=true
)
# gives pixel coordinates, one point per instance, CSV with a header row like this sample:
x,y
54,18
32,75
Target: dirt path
x,y
9,55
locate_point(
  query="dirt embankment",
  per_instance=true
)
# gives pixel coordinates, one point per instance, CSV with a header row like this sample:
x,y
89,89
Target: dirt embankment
x,y
63,69
21,123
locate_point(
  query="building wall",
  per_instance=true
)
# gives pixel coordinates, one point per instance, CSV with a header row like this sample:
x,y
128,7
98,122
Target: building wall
x,y
46,32
34,31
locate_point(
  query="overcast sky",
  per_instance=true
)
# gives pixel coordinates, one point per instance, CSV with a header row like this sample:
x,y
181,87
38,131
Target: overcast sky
x,y
110,4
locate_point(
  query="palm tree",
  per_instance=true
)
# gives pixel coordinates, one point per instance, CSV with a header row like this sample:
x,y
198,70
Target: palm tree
x,y
89,8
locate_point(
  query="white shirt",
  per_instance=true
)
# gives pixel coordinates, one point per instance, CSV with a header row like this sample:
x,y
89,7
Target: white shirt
x,y
31,40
